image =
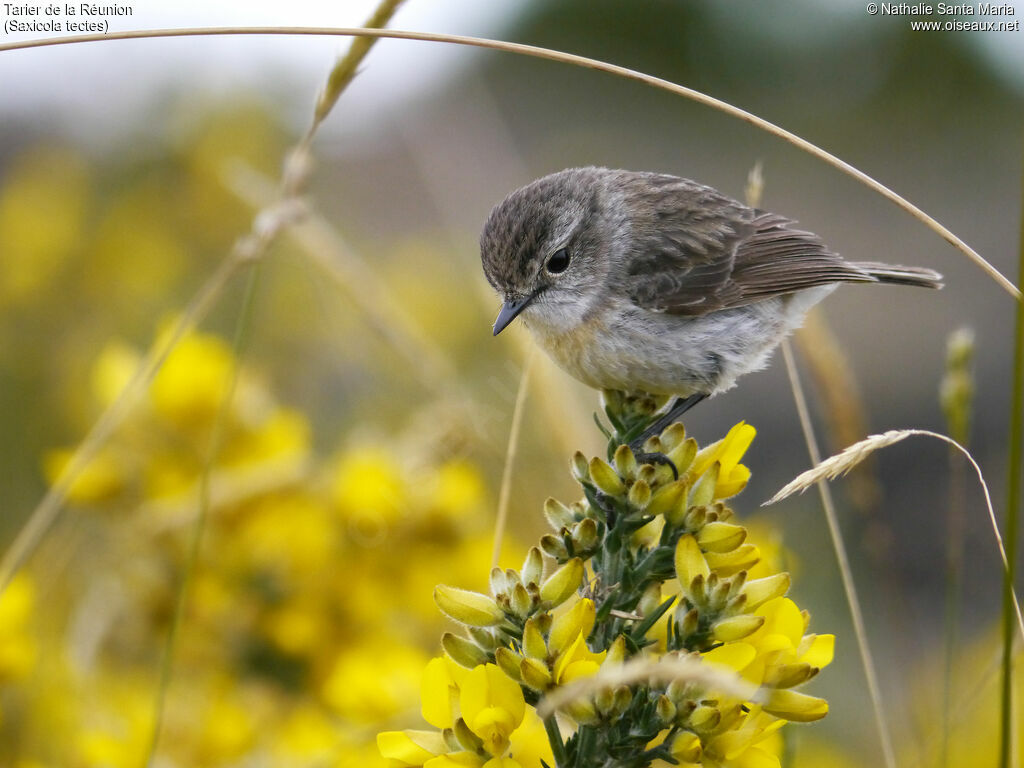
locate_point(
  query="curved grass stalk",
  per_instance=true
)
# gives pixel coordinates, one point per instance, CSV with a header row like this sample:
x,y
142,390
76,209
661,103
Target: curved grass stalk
x,y
565,58
849,458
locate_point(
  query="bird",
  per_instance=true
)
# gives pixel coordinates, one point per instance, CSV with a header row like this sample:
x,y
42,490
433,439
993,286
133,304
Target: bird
x,y
649,283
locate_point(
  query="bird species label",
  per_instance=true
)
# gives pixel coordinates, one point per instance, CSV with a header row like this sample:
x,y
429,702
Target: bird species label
x,y
61,17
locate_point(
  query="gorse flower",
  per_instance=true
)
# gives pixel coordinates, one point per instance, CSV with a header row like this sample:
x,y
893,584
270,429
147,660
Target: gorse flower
x,y
286,654
577,619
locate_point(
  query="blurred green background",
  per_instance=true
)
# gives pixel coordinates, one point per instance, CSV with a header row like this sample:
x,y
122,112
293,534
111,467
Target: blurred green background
x,y
109,226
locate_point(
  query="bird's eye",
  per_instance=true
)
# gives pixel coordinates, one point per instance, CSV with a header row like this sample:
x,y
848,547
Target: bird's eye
x,y
559,261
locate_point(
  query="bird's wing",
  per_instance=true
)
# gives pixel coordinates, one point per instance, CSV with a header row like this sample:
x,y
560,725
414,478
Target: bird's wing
x,y
697,251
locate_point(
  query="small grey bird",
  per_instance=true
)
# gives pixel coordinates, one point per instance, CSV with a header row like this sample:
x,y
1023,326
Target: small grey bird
x,y
645,282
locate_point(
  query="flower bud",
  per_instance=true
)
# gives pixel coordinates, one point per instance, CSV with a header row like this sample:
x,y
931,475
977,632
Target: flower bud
x,y
605,478
678,691
788,675
557,588
687,747
463,651
639,495
484,638
653,445
498,582
623,698
704,491
736,627
616,652
698,591
798,707
666,497
683,455
672,435
650,600
743,558
604,702
533,641
583,712
665,710
535,674
721,537
625,462
760,591
687,621
689,561
533,566
468,740
695,517
508,660
520,601
580,469
470,608
705,718
554,546
584,535
578,620
558,515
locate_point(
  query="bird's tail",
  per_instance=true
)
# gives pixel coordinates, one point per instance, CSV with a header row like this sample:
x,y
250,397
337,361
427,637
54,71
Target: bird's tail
x,y
891,273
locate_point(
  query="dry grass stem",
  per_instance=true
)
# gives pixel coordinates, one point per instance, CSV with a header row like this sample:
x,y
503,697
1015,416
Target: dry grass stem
x,y
501,519
348,66
843,462
347,270
46,511
565,58
843,407
688,669
843,561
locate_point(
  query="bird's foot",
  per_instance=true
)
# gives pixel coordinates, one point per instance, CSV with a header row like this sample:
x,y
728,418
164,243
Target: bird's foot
x,y
679,407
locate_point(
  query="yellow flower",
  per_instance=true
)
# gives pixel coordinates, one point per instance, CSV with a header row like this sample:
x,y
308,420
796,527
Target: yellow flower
x,y
282,434
439,691
112,371
99,479
368,487
373,681
727,452
492,706
564,582
410,748
228,730
741,746
576,661
471,608
190,387
458,490
17,648
690,562
781,643
529,744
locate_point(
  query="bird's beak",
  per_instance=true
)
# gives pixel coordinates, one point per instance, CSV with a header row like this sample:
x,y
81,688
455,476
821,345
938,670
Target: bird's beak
x,y
510,310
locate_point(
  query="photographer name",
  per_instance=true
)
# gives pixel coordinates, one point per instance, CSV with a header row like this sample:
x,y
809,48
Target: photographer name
x,y
946,9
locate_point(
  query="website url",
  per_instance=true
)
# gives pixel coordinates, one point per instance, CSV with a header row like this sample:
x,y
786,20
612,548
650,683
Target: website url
x,y
956,25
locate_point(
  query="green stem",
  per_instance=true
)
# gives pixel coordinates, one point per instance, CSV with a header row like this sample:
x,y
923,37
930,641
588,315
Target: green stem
x,y
192,557
555,739
1012,517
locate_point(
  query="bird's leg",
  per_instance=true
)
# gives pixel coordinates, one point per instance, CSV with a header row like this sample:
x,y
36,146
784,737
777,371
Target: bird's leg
x,y
679,407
